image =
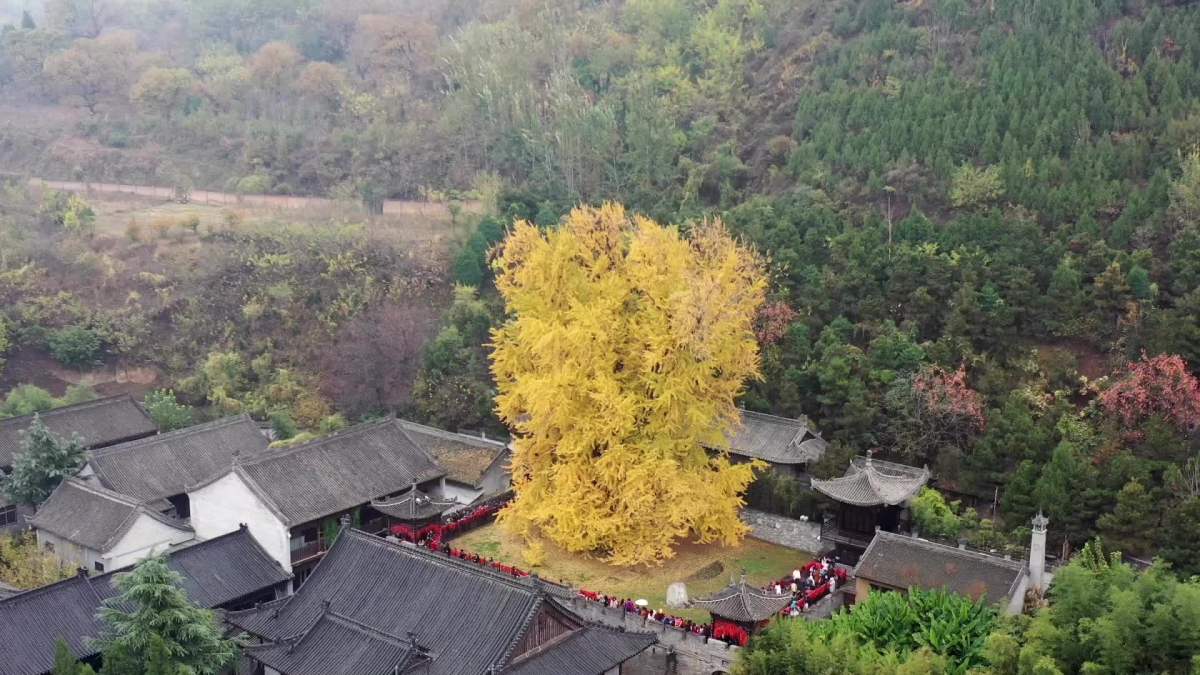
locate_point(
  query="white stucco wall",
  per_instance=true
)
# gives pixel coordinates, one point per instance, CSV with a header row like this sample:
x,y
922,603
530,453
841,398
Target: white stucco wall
x,y
145,538
459,492
221,506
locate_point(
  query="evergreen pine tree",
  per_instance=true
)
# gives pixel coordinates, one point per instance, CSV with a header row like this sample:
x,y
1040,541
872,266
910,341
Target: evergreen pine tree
x,y
152,623
1130,526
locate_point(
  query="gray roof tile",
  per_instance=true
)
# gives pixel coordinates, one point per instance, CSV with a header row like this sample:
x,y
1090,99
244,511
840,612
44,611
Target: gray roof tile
x,y
465,458
743,602
872,482
588,651
779,440
168,464
215,572
338,644
468,617
904,562
335,473
91,516
99,423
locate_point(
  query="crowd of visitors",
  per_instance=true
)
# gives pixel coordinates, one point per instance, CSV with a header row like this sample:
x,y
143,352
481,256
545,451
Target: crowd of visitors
x,y
808,584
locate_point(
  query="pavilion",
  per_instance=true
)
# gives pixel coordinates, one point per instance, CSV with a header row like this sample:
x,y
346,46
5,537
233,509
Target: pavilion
x,y
740,609
873,495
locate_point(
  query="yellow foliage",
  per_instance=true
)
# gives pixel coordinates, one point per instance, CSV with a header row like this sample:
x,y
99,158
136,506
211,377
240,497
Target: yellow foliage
x,y
625,348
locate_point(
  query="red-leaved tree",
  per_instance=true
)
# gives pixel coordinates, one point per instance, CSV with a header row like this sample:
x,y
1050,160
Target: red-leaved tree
x,y
934,415
1155,386
772,322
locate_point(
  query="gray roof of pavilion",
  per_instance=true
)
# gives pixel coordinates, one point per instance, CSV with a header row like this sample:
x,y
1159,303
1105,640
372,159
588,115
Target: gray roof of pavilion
x,y
92,516
167,464
873,482
466,458
778,440
743,602
412,505
99,423
467,617
903,562
215,572
338,472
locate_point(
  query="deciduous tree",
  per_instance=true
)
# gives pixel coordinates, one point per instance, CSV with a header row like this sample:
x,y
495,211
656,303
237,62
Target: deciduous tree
x,y
625,348
42,462
25,565
1155,386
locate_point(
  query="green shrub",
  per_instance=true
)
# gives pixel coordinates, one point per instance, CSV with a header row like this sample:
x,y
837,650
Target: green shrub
x,y
166,411
283,425
26,399
74,346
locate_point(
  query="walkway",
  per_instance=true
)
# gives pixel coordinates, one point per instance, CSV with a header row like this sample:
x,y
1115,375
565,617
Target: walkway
x,y
210,198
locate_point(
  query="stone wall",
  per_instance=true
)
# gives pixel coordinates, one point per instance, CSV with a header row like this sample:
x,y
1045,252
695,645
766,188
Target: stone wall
x,y
678,652
797,534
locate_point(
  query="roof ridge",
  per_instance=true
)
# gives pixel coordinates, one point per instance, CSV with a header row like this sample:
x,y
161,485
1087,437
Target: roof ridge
x,y
962,552
448,561
82,405
364,628
170,435
802,420
276,453
101,491
434,431
40,590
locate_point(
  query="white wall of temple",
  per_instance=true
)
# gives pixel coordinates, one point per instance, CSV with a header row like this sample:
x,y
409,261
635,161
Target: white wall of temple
x,y
223,505
459,492
145,538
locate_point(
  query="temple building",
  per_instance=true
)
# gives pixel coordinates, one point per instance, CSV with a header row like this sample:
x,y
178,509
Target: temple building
x,y
788,445
873,495
90,527
897,562
476,467
99,423
377,607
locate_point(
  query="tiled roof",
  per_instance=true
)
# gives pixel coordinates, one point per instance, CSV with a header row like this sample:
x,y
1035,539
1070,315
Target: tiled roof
x,y
101,422
779,440
92,516
465,458
412,505
167,464
904,562
743,602
338,644
872,482
468,617
214,572
588,651
338,472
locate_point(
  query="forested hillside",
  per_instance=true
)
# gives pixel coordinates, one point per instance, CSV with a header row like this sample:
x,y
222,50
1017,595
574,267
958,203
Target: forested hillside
x,y
983,217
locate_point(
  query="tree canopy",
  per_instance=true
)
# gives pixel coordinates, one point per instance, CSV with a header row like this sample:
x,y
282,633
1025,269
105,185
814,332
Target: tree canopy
x,y
624,349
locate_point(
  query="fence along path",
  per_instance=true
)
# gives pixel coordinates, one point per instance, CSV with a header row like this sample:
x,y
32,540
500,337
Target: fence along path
x,y
399,207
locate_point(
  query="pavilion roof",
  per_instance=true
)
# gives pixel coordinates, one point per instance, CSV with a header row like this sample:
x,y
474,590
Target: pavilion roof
x,y
873,482
743,602
413,505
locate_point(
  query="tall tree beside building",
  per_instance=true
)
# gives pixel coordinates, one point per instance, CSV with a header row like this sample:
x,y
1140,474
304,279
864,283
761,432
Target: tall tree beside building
x,y
625,347
152,626
44,460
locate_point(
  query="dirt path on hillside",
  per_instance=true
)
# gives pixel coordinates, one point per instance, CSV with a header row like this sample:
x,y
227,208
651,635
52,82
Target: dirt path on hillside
x,y
390,206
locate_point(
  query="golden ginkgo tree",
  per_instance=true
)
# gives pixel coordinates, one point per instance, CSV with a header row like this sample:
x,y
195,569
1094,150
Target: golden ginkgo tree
x,y
625,346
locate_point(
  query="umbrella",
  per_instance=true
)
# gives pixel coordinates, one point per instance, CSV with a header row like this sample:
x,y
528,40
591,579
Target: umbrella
x,y
641,602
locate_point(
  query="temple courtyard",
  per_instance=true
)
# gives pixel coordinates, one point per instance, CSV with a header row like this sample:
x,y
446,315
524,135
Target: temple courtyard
x,y
705,568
